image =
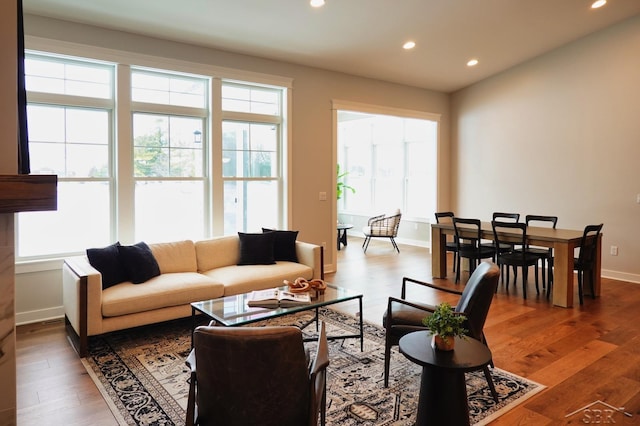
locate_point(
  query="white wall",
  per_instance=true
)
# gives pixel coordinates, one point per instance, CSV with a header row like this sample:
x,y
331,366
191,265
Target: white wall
x,y
558,135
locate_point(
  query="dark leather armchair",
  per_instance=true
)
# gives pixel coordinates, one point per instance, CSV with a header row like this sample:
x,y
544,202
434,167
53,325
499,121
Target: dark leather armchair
x,y
256,376
403,317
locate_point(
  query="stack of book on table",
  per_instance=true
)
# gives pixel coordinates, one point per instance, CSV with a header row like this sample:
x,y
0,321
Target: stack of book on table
x,y
274,297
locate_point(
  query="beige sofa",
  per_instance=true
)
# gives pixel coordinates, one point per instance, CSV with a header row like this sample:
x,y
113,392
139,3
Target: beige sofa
x,y
190,272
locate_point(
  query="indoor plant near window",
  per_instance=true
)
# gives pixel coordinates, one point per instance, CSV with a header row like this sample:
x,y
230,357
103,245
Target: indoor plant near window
x,y
340,185
445,324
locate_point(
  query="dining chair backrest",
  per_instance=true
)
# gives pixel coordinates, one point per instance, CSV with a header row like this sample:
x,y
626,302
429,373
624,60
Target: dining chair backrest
x,y
511,216
472,225
517,228
444,217
538,218
588,244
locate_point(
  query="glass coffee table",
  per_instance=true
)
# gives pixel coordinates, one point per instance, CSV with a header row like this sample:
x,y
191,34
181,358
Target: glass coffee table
x,y
232,311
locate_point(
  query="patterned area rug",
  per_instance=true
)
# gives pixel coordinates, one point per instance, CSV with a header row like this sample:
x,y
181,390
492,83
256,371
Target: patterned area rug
x,y
142,376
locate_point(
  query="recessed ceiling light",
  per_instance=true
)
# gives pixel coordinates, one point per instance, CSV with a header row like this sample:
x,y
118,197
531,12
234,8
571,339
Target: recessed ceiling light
x,y
316,3
409,45
472,63
598,3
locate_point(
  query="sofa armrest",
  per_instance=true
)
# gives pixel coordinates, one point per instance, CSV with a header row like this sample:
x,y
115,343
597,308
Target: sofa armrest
x,y
82,299
311,255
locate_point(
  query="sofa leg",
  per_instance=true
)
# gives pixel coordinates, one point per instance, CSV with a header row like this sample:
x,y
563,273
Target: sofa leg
x,y
79,343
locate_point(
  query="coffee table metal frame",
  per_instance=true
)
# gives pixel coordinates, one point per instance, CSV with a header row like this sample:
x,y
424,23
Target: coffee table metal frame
x,y
232,311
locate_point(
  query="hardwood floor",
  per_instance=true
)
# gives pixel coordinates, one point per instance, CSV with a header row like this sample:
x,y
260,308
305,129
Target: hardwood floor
x,y
583,354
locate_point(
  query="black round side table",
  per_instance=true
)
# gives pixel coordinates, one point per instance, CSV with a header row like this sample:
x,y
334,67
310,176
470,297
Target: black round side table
x,y
443,390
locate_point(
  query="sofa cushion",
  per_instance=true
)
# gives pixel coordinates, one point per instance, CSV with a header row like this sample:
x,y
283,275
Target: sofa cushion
x,y
217,252
284,244
242,279
107,261
256,249
171,289
179,256
139,262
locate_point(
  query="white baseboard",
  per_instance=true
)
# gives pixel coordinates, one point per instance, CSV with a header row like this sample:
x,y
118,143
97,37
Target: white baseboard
x,y
407,241
410,242
621,276
40,315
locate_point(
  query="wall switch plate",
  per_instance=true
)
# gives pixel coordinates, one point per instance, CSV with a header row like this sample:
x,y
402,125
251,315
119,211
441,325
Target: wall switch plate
x,y
322,196
614,250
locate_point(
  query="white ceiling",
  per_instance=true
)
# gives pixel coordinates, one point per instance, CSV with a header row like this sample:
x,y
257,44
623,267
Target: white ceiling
x,y
361,37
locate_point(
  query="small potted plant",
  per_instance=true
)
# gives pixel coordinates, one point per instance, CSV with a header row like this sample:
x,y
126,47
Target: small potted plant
x,y
341,186
445,324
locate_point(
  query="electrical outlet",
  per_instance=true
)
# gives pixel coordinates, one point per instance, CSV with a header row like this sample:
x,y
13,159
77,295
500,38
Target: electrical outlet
x,y
614,250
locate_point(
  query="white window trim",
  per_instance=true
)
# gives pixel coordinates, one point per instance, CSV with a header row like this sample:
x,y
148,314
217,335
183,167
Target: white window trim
x,y
145,60
125,60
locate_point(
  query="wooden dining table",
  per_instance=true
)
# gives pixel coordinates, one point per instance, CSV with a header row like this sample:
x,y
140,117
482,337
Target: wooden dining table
x,y
563,242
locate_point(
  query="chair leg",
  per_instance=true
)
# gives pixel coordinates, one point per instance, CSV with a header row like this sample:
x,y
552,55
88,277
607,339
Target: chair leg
x,y
191,401
365,243
323,405
492,387
455,255
525,272
580,287
387,360
395,246
536,272
458,270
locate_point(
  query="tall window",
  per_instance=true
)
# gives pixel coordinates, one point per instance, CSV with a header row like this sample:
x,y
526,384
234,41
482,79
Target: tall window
x,y
138,166
251,152
169,113
390,162
70,119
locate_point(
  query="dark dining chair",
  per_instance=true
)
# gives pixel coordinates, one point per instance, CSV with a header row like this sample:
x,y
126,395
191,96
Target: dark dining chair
x,y
545,254
471,249
403,316
502,217
516,257
586,260
451,246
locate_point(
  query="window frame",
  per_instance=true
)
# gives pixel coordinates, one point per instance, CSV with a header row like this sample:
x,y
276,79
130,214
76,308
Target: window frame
x,y
65,101
266,119
122,200
375,110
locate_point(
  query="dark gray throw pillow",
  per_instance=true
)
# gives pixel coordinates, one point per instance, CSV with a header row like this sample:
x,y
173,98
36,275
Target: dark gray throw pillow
x,y
139,262
256,249
107,261
284,245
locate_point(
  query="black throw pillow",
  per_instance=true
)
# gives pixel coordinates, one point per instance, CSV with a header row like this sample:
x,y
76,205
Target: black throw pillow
x,y
107,261
284,245
256,249
139,262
